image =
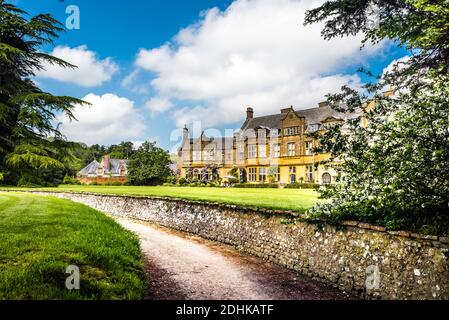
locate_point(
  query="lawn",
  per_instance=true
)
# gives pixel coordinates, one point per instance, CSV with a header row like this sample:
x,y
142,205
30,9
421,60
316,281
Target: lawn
x,y
41,236
297,200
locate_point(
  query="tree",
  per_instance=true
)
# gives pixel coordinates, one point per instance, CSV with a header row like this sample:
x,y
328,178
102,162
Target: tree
x,y
124,150
149,165
30,143
395,169
421,26
243,176
234,173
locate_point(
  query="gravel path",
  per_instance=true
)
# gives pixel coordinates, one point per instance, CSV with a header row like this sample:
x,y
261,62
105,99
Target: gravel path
x,y
182,266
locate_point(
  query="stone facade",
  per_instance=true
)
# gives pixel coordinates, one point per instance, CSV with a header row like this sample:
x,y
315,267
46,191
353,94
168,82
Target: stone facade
x,y
358,257
275,148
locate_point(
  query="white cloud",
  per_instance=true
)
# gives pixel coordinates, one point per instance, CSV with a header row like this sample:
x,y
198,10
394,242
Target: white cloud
x,y
398,63
132,83
257,53
137,144
109,119
90,72
130,78
158,105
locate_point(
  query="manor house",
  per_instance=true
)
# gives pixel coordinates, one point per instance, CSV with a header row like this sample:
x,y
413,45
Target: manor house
x,y
276,147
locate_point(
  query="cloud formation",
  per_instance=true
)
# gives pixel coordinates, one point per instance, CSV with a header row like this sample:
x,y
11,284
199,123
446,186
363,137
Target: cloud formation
x,y
255,53
109,119
397,64
158,105
90,72
132,83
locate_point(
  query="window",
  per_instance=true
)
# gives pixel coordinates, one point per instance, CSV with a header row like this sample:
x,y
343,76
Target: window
x,y
293,131
277,174
197,174
186,154
291,149
309,174
241,153
229,155
196,155
276,150
262,174
274,133
252,151
292,175
207,174
252,174
309,148
262,151
313,127
209,155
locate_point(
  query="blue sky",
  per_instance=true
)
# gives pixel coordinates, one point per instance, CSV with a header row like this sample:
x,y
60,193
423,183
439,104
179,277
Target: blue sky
x,y
148,67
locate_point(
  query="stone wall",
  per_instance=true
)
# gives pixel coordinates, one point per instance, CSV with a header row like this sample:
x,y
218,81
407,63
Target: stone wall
x,y
359,258
102,180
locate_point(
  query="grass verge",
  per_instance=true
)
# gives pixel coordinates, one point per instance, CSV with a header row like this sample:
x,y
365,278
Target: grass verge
x,y
41,236
298,200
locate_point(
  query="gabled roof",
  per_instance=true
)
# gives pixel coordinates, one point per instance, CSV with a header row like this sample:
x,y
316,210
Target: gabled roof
x,y
116,164
90,169
312,116
114,167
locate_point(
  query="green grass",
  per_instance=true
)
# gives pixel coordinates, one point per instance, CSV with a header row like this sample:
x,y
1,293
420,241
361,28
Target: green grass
x,y
41,236
297,200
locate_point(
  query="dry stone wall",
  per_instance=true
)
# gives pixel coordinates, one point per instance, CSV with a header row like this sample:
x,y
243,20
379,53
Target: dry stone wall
x,y
358,258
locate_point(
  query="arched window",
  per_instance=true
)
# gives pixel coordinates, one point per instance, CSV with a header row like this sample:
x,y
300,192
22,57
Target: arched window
x,y
326,178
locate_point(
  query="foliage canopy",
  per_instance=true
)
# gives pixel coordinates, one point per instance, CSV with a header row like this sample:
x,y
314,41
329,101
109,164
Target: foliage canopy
x,y
30,144
395,170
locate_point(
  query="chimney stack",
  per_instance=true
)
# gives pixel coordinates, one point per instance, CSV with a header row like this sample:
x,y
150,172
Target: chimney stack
x,y
185,133
249,113
323,104
106,162
287,110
